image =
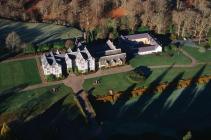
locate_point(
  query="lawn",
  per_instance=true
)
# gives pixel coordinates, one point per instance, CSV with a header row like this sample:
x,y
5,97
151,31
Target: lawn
x,y
200,57
18,72
120,82
162,113
28,104
163,59
37,32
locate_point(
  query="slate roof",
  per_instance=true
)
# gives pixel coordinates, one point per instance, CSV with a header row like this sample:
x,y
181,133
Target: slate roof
x,y
146,49
84,55
140,45
137,36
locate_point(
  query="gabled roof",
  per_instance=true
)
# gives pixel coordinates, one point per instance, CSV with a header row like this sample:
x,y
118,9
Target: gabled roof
x,y
137,36
111,45
146,49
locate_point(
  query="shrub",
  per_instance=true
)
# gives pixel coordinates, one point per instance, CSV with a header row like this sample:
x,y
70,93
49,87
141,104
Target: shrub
x,y
51,77
70,70
58,45
166,49
187,136
209,41
69,44
43,48
29,49
136,76
207,46
202,50
174,47
142,29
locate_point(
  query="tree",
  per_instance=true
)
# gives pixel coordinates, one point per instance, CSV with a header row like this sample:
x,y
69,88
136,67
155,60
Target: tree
x,y
13,41
23,46
69,44
5,132
187,136
5,129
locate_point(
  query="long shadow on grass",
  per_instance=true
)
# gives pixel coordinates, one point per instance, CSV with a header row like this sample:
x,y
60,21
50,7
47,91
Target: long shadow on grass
x,y
35,127
179,111
184,99
184,109
5,94
200,113
154,108
108,111
130,111
21,30
54,124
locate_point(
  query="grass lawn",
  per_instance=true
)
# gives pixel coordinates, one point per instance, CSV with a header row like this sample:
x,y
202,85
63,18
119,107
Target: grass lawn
x,y
163,59
37,32
17,73
157,113
28,104
201,57
120,82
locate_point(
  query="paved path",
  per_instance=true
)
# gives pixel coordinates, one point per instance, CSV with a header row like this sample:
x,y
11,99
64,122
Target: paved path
x,y
193,62
127,68
32,87
20,58
41,72
75,82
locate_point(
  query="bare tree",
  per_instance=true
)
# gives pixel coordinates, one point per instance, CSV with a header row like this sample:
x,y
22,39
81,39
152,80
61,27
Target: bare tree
x,y
13,41
69,44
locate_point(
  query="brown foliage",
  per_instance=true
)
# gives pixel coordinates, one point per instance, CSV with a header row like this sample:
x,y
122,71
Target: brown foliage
x,y
158,89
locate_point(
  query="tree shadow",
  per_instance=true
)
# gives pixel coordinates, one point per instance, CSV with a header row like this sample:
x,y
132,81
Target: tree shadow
x,y
53,124
155,108
5,94
174,109
184,99
131,111
163,39
21,30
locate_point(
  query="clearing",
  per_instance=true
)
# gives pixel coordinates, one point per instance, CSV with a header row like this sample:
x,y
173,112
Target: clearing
x,y
200,57
19,73
162,59
38,33
42,110
163,113
120,82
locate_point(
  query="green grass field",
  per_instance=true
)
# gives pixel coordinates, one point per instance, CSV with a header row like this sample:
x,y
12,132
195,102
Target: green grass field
x,y
120,82
37,32
162,113
18,72
200,57
159,60
27,105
